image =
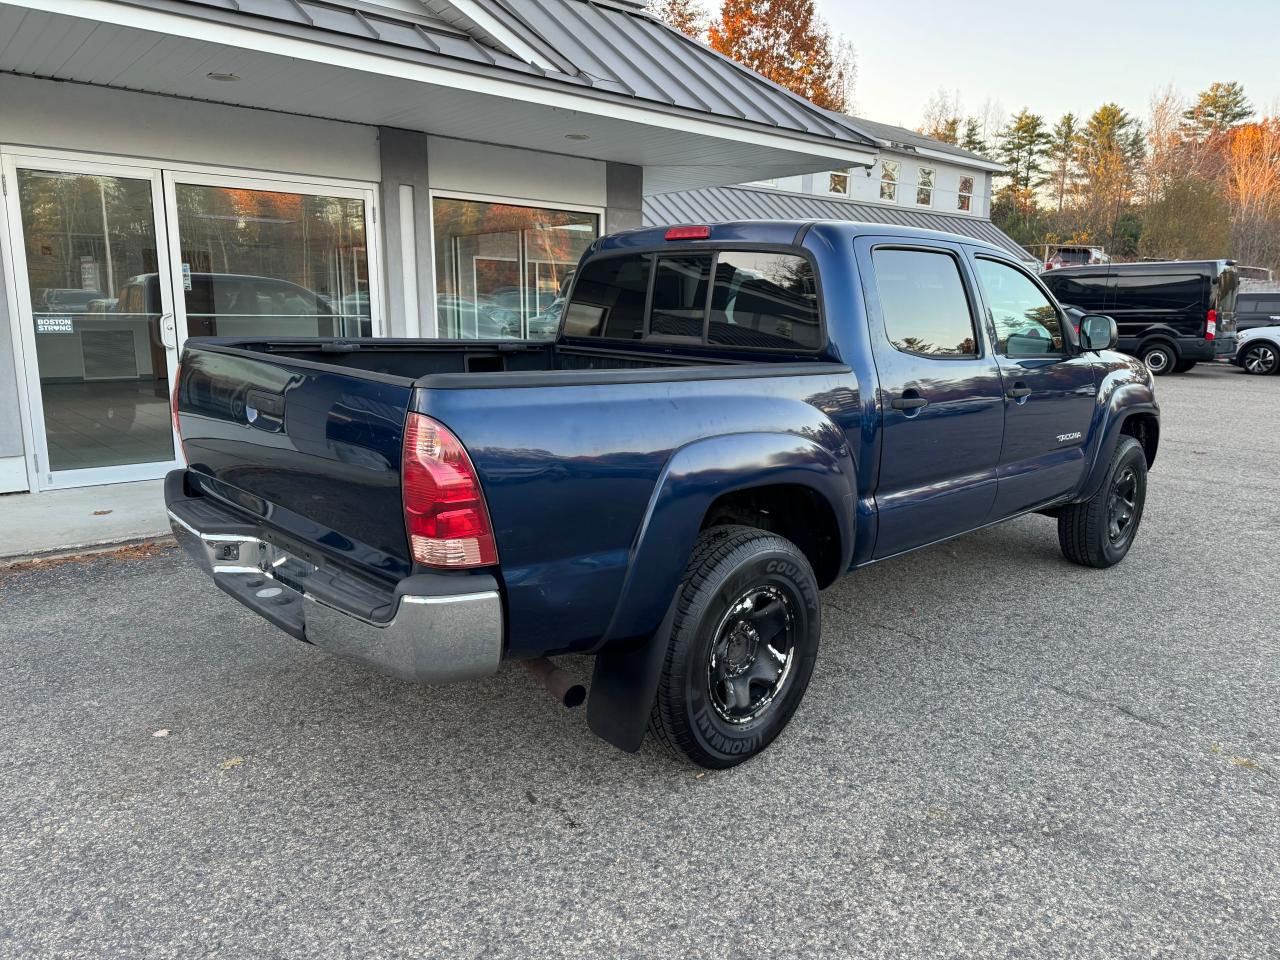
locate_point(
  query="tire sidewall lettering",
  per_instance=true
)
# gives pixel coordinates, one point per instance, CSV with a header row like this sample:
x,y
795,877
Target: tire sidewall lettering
x,y
715,734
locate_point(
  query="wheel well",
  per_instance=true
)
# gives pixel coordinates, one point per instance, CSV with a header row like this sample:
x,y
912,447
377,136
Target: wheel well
x,y
1145,428
796,512
1164,341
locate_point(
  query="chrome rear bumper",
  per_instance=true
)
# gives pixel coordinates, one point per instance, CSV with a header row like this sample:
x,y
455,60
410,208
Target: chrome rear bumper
x,y
429,638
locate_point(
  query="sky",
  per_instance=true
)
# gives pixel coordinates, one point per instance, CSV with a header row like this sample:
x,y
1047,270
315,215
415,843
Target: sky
x,y
1053,56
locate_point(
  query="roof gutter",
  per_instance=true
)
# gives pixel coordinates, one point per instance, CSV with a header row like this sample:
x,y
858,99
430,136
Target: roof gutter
x,y
942,155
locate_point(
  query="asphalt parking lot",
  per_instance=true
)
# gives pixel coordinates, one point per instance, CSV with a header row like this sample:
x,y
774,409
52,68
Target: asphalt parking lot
x,y
1000,754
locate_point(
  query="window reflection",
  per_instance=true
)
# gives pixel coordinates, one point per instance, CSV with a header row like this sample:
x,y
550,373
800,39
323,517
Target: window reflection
x,y
1027,324
501,268
926,310
262,263
104,384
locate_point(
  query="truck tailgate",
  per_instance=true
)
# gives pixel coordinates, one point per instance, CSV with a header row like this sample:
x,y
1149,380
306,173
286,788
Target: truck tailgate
x,y
313,451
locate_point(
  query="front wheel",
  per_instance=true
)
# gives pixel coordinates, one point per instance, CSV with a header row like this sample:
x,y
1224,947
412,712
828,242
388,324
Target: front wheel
x,y
1260,359
1100,531
742,647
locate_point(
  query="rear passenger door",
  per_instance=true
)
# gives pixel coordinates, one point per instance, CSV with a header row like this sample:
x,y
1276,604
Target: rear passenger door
x,y
941,397
1050,392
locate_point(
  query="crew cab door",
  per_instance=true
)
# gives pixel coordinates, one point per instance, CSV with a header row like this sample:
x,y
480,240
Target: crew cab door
x,y
1050,389
941,397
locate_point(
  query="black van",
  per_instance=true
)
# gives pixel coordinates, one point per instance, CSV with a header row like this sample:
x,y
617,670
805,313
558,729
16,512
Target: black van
x,y
1171,314
1257,310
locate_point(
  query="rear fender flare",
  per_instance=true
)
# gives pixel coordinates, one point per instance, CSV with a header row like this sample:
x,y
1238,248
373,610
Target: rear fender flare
x,y
630,659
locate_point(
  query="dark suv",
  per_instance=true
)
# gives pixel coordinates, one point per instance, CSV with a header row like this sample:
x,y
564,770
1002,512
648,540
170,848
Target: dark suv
x,y
1257,310
1171,314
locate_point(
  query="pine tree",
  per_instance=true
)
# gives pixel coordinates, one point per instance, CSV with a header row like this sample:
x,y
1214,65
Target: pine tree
x,y
1061,152
1217,109
1110,154
1022,146
786,42
971,139
687,16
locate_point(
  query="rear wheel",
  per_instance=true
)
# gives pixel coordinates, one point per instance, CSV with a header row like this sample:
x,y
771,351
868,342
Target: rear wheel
x,y
1260,359
1160,357
1100,531
742,647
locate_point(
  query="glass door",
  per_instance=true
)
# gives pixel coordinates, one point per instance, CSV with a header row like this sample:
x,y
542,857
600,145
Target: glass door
x,y
267,258
96,319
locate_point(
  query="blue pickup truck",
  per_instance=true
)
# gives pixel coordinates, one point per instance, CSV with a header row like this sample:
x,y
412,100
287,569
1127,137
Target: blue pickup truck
x,y
731,418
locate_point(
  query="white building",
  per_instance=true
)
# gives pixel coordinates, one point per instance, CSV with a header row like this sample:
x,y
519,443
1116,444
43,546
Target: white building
x,y
349,167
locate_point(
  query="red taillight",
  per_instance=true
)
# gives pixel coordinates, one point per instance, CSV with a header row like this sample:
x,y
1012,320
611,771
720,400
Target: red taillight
x,y
173,408
444,509
688,233
1211,325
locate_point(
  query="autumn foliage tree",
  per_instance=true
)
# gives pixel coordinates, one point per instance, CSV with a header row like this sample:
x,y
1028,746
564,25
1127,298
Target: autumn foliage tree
x,y
687,16
787,42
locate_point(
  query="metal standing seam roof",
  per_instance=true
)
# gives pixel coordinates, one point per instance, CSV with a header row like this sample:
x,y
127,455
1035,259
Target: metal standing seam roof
x,y
619,52
901,136
726,204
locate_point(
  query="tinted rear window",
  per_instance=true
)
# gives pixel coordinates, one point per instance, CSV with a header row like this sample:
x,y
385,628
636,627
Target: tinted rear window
x,y
758,299
680,296
609,299
764,300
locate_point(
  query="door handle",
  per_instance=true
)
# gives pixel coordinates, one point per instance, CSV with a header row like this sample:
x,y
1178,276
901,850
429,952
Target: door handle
x,y
168,332
910,400
1018,391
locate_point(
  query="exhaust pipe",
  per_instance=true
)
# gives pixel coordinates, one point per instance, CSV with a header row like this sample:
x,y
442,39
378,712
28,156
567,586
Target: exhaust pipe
x,y
559,684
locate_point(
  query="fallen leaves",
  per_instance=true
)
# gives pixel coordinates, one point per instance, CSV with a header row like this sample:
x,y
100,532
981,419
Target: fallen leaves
x,y
230,763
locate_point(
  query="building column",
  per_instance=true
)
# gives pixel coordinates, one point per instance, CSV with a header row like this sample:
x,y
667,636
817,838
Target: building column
x,y
408,260
624,197
13,463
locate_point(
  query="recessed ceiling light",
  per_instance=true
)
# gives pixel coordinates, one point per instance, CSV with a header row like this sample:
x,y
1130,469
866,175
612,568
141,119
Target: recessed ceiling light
x,y
576,136
224,77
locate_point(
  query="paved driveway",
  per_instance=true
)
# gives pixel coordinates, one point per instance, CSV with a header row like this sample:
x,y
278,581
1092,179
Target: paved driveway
x,y
1000,754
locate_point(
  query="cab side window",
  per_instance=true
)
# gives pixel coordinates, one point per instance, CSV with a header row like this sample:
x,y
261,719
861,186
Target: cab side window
x,y
1027,322
926,309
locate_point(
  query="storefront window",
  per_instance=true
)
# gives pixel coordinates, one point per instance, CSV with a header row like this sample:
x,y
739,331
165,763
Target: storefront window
x,y
501,268
260,263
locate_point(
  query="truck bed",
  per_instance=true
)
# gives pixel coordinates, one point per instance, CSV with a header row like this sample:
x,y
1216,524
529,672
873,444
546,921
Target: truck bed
x,y
305,437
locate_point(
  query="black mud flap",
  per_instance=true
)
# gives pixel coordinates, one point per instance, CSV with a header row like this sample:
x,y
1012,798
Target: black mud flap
x,y
623,685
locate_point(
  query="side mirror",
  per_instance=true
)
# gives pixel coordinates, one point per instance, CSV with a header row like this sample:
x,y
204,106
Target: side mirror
x,y
1098,332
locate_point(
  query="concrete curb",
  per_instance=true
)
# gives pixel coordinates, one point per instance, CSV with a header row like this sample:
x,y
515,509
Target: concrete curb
x,y
83,551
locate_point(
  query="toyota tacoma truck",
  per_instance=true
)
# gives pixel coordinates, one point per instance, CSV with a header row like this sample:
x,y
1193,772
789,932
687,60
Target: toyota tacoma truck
x,y
730,418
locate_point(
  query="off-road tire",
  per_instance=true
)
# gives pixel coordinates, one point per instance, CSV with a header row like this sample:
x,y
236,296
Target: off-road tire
x,y
1085,531
727,563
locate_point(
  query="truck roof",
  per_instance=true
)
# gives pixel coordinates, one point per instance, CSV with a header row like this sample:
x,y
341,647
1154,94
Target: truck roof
x,y
784,232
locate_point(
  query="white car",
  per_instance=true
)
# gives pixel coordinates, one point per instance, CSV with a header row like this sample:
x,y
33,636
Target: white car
x,y
1258,350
